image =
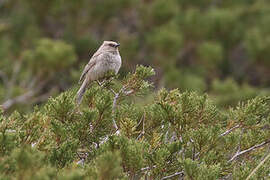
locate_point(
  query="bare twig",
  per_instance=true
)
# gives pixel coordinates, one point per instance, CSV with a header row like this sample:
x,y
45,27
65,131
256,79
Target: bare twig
x,y
140,121
259,165
19,99
128,92
112,91
116,96
175,174
229,130
224,134
193,149
239,153
142,133
148,168
166,177
24,97
101,84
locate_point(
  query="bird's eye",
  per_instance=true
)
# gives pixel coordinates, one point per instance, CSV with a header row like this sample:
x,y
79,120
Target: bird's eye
x,y
112,45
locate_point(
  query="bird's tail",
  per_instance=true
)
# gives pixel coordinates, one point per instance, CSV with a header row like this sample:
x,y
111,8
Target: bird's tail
x,y
80,92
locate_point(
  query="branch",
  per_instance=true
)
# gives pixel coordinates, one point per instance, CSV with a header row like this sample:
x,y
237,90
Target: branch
x,y
166,177
147,168
229,130
175,174
116,96
19,99
24,97
128,92
248,150
261,163
142,133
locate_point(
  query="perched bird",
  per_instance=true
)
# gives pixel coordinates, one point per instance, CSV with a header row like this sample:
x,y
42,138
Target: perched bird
x,y
106,59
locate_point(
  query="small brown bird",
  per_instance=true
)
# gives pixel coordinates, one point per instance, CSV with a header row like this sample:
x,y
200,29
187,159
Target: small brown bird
x,y
107,58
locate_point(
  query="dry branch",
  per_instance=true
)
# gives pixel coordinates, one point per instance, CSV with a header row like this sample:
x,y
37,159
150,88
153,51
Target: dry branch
x,y
24,98
171,176
237,154
260,164
19,99
229,130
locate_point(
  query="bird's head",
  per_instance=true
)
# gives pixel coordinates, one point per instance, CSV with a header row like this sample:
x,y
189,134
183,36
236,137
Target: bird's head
x,y
110,46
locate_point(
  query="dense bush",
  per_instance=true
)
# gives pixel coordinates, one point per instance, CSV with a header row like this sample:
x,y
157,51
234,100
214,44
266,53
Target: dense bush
x,y
114,135
130,128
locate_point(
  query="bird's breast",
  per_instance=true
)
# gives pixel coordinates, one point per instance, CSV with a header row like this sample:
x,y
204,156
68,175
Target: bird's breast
x,y
108,62
113,62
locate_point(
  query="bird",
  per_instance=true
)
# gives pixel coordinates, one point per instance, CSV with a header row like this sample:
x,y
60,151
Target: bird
x,y
106,59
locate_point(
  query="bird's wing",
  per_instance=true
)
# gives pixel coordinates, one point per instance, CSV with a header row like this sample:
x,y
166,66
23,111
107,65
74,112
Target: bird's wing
x,y
90,64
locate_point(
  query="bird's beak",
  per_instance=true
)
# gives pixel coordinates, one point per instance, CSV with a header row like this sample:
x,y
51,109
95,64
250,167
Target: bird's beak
x,y
117,45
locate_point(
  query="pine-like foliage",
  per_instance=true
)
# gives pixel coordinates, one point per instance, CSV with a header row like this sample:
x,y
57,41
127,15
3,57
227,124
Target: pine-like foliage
x,y
113,134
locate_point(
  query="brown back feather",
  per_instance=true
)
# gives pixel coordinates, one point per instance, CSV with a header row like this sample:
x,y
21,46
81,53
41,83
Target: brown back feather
x,y
90,64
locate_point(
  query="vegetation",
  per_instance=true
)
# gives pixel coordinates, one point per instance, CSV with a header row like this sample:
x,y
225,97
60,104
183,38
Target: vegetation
x,y
113,136
201,112
193,45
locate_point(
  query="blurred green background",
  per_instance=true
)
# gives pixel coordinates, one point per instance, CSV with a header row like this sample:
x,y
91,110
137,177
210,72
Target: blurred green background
x,y
214,46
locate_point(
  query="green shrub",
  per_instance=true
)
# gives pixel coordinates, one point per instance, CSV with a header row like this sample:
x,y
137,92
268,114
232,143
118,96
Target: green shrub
x,y
176,134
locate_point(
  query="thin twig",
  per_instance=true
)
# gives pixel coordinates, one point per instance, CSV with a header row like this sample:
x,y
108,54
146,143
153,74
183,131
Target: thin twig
x,y
193,149
140,121
175,174
19,99
248,150
128,92
142,133
223,134
148,168
112,91
229,130
116,96
259,165
101,84
24,97
239,144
